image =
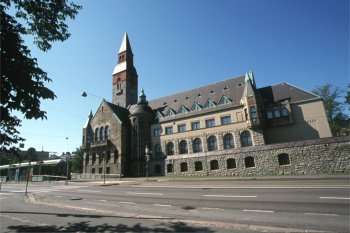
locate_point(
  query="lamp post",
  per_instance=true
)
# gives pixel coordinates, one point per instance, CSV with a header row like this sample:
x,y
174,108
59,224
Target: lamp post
x,y
104,167
67,162
147,157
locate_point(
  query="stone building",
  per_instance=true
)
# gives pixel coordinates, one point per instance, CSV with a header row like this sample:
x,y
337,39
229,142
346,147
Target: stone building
x,y
218,129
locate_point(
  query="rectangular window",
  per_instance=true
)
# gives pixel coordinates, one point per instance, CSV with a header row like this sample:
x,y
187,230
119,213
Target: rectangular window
x,y
269,115
285,112
195,125
169,130
157,132
108,170
210,123
277,113
225,120
100,170
253,112
93,170
181,128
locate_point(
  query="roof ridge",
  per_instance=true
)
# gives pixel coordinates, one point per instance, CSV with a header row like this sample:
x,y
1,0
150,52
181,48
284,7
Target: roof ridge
x,y
201,87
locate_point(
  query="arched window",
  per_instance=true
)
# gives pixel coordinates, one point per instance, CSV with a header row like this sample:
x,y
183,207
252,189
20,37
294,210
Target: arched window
x,y
231,163
157,169
96,134
106,132
212,145
228,141
214,165
170,148
183,147
158,150
249,161
183,167
198,166
197,145
101,133
283,159
169,168
246,139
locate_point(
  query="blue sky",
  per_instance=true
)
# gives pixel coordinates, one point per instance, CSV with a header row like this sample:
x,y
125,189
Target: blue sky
x,y
180,45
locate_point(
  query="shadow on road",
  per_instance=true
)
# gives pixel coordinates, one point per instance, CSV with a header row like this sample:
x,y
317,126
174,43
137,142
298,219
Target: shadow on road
x,y
85,226
90,226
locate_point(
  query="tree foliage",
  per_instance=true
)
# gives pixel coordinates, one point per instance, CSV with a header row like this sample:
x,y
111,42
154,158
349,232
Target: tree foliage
x,y
77,161
22,80
331,96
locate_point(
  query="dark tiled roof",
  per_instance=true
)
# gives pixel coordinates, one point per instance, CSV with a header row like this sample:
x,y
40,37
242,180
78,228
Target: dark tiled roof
x,y
122,113
283,91
231,88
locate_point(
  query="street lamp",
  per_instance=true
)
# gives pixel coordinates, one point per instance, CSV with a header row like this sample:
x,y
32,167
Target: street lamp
x,y
67,161
147,157
104,167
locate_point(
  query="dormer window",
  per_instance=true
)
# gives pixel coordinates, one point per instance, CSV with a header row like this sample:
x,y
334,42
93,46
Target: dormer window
x,y
224,100
195,107
209,104
182,110
170,112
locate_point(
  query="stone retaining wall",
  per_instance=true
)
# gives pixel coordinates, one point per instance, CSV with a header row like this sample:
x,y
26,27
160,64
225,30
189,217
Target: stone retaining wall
x,y
321,156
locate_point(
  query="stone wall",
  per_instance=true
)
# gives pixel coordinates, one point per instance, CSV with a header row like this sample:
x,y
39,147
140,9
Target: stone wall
x,y
321,156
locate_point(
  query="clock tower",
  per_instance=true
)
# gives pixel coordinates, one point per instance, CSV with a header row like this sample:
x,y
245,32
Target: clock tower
x,y
124,90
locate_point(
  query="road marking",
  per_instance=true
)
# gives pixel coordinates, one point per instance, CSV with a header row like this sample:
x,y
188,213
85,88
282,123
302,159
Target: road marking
x,y
260,211
229,196
336,198
320,214
155,194
89,191
209,208
248,187
162,205
103,200
127,202
2,198
57,196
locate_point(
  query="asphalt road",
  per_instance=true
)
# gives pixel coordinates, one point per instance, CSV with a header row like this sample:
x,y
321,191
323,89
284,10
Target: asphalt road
x,y
275,205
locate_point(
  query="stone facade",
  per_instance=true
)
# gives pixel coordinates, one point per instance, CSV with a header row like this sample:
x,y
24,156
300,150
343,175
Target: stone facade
x,y
321,156
230,128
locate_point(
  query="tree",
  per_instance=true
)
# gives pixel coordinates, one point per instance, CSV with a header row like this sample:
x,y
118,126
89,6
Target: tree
x,y
334,108
78,160
22,80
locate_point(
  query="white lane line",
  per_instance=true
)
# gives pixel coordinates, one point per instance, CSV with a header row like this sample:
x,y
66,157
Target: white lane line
x,y
103,200
248,187
57,196
2,198
209,208
260,211
229,196
336,198
320,214
162,205
127,202
155,194
89,191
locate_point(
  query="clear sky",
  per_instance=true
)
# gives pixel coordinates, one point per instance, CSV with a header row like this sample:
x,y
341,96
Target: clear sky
x,y
183,44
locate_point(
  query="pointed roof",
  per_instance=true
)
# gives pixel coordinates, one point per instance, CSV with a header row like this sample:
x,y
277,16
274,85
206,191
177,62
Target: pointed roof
x,y
125,46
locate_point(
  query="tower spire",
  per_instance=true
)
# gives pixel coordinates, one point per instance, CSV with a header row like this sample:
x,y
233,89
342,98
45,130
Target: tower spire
x,y
125,45
124,90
